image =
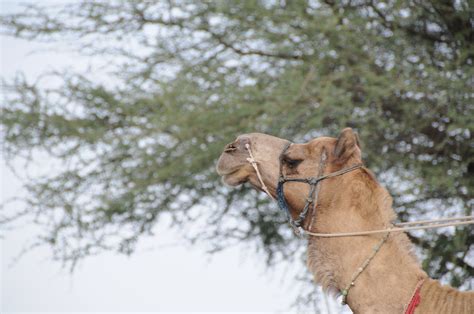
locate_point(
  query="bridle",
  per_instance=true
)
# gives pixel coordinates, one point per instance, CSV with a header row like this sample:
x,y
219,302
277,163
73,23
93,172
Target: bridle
x,y
313,190
398,227
313,198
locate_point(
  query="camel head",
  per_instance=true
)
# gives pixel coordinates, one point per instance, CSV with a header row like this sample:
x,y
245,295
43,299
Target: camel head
x,y
234,167
297,161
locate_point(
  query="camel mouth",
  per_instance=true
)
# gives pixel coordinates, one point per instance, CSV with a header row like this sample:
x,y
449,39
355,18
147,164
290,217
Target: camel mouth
x,y
231,182
235,177
227,172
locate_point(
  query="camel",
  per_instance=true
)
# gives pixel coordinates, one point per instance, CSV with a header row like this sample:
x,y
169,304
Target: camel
x,y
392,281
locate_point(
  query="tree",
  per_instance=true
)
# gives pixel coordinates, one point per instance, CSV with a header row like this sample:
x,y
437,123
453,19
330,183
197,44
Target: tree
x,y
191,75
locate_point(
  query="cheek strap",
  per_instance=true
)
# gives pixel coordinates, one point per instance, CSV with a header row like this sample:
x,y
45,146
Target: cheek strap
x,y
312,195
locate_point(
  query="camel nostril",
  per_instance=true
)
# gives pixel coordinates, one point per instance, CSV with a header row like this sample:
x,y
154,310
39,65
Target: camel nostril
x,y
238,144
229,148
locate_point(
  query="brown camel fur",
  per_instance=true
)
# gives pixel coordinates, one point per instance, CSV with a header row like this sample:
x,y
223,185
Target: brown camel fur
x,y
354,201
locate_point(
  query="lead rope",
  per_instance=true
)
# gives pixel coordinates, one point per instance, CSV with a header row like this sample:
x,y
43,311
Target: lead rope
x,y
375,250
426,224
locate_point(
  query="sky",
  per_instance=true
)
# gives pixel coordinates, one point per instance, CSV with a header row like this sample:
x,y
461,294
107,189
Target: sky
x,y
164,275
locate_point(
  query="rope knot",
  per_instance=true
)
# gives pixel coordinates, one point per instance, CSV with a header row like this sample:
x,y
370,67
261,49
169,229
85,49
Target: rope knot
x,y
251,160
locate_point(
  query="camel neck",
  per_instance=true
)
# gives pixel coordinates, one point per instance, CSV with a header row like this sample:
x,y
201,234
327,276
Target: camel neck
x,y
386,284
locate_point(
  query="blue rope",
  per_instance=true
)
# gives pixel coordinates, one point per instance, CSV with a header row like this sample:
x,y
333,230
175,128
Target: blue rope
x,y
282,201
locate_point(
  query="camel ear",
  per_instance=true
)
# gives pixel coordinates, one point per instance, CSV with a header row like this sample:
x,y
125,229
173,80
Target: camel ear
x,y
347,145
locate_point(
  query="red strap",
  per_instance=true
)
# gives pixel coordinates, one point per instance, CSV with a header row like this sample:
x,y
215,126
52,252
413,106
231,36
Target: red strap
x,y
415,300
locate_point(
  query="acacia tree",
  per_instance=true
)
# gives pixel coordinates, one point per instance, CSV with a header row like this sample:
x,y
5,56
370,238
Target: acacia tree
x,y
189,76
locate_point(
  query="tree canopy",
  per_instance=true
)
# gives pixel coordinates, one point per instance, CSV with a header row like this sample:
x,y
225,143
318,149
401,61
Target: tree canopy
x,y
188,76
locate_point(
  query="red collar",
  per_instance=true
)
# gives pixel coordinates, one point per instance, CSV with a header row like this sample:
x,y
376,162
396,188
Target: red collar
x,y
415,299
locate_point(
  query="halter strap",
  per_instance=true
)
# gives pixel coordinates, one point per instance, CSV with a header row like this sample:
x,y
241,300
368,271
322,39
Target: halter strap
x,y
315,180
313,191
311,200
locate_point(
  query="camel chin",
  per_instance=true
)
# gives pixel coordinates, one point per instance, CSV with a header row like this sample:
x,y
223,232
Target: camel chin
x,y
235,178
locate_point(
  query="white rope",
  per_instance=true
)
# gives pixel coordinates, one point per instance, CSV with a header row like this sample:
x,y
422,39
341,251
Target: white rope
x,y
253,162
433,220
399,229
428,224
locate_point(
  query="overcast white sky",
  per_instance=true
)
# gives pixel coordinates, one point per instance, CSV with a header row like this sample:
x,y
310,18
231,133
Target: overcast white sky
x,y
166,278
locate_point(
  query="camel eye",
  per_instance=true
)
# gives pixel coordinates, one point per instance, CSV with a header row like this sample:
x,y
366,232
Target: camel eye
x,y
292,163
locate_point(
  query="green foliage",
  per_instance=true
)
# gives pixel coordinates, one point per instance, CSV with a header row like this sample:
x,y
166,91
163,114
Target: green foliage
x,y
190,76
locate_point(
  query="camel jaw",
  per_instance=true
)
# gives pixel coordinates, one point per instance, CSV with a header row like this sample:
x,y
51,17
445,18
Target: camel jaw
x,y
232,176
233,179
